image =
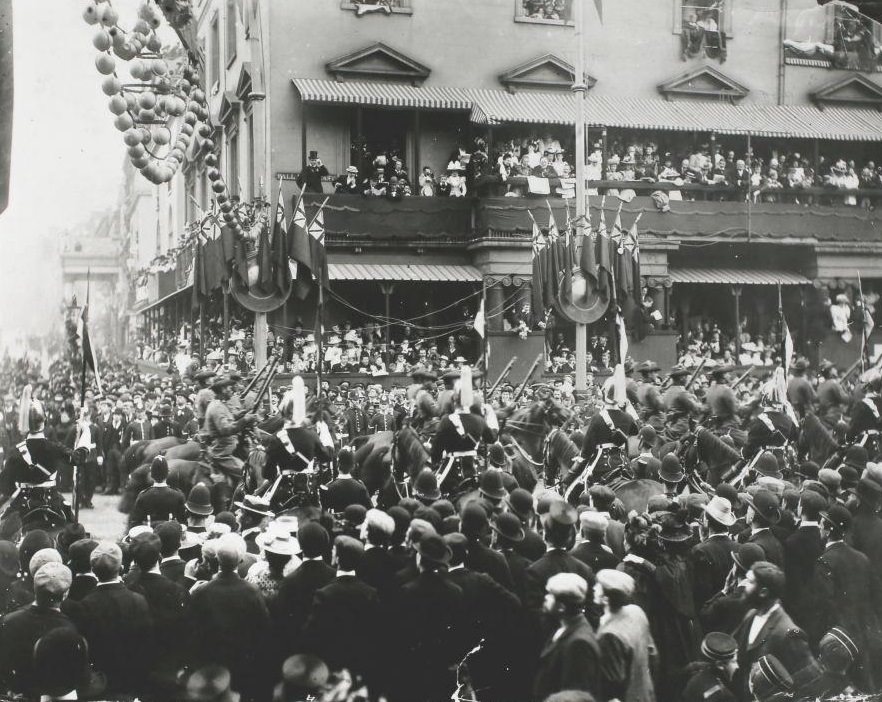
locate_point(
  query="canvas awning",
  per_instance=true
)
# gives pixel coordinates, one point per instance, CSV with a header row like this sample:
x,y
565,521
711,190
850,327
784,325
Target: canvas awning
x,y
404,272
382,94
728,276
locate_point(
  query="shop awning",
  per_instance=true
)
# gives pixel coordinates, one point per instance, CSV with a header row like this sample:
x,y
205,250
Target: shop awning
x,y
382,94
161,301
404,271
728,276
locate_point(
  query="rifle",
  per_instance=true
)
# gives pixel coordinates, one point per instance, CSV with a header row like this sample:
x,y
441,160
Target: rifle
x,y
695,374
502,376
257,376
523,386
271,369
742,378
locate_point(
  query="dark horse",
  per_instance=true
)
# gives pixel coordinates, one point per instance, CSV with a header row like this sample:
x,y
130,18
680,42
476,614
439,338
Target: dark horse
x,y
387,459
145,451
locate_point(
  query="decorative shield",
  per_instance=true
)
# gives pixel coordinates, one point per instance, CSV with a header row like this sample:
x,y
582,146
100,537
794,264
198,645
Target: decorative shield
x,y
250,296
580,308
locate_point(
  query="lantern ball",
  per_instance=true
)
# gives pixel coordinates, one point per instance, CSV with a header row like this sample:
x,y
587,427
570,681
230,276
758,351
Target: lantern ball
x,y
90,13
208,144
159,67
187,129
205,130
190,117
219,186
162,135
111,85
154,43
105,64
146,115
132,138
210,159
101,40
109,16
147,100
125,51
213,174
117,104
199,95
140,161
221,198
137,150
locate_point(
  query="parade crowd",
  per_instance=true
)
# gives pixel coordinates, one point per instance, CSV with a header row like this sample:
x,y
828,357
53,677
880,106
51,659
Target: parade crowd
x,y
762,588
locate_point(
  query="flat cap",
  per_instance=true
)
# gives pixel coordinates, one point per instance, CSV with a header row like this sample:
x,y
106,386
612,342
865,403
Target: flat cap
x,y
106,550
567,586
616,580
53,577
593,521
42,557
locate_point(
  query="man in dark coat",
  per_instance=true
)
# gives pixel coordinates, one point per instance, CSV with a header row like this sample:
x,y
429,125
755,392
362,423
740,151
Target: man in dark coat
x,y
592,550
844,592
355,419
866,526
833,401
610,426
20,630
559,536
297,445
712,558
230,624
711,680
377,567
767,629
771,427
171,565
159,502
570,659
345,490
801,551
866,414
112,432
34,460
117,623
475,526
520,503
765,513
345,616
84,580
800,392
292,605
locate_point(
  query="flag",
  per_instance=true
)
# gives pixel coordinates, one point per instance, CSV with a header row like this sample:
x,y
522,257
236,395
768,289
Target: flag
x,y
786,344
599,5
635,259
319,256
538,298
264,258
299,250
588,258
89,358
281,269
479,320
605,245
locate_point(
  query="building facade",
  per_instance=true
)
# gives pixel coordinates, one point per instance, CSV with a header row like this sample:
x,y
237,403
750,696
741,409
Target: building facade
x,y
423,81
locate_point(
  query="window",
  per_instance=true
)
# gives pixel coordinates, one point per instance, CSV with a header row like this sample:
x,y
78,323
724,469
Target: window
x,y
703,26
544,11
377,7
231,31
855,38
214,61
234,179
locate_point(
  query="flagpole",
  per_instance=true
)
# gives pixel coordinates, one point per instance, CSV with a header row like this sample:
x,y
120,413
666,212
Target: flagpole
x,y
863,323
83,350
320,326
579,90
484,340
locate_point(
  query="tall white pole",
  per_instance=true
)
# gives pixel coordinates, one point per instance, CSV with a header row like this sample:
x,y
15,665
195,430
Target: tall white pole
x,y
579,90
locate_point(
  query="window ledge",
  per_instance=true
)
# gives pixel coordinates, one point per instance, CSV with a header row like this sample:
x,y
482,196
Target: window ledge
x,y
540,20
823,63
346,5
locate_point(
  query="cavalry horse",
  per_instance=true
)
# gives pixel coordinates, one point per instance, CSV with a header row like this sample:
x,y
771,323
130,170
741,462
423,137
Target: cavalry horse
x,y
388,460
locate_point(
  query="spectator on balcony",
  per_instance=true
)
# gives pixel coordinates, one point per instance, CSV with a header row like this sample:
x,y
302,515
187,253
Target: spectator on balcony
x,y
376,185
613,173
533,155
648,167
310,178
427,182
770,185
668,172
443,188
456,178
397,189
348,184
558,164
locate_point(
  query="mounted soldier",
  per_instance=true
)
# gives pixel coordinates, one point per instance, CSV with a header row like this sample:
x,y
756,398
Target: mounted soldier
x,y
774,428
723,407
866,415
833,401
680,404
221,432
461,434
420,394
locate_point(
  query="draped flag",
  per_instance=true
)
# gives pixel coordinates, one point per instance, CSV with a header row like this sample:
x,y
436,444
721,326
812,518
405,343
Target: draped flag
x,y
317,250
588,258
281,267
90,360
199,292
264,257
299,251
619,380
538,300
479,320
786,345
605,244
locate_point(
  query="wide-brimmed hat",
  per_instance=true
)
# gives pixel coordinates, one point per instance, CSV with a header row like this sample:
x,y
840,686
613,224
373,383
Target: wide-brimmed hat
x,y
255,504
420,372
281,543
199,500
678,371
204,374
720,510
673,528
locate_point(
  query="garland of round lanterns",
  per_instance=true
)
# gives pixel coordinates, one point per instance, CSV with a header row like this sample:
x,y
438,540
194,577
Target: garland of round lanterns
x,y
160,113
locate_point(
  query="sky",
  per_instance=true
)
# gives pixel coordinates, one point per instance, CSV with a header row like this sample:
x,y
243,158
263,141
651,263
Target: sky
x,y
66,156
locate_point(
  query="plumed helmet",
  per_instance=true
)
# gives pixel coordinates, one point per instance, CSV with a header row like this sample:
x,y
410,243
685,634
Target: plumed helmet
x,y
36,416
775,389
293,404
466,393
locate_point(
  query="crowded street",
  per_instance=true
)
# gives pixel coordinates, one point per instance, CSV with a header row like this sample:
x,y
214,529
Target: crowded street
x,y
331,371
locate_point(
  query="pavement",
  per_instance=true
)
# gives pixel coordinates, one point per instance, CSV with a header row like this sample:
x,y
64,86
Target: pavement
x,y
105,521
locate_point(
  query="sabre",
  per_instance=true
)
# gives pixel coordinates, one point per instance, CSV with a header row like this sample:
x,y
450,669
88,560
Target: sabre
x,y
742,378
523,386
502,376
695,374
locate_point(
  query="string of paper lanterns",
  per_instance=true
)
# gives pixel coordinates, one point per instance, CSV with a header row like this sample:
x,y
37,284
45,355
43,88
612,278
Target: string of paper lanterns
x,y
164,108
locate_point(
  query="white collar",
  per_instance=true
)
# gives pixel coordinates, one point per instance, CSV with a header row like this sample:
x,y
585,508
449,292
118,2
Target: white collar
x,y
833,543
461,566
807,523
176,557
755,531
36,435
116,581
316,558
765,615
343,573
163,484
718,534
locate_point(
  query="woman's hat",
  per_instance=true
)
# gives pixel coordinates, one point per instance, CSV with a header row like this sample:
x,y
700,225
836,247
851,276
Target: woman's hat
x,y
720,510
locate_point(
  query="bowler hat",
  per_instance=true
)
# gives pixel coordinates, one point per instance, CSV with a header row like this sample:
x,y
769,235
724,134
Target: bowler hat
x,y
473,520
856,457
520,502
432,548
508,525
767,465
496,456
199,500
425,487
304,673
765,505
869,491
671,471
745,555
490,485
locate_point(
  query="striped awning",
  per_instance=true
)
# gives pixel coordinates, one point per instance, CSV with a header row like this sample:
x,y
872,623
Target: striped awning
x,y
728,276
404,271
382,94
501,107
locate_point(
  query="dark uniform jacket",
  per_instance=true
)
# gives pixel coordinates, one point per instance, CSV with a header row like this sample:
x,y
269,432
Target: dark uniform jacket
x,y
173,569
554,562
595,556
599,432
865,416
448,440
711,563
82,584
377,568
355,423
304,440
532,547
137,430
800,394
159,503
43,452
167,601
770,545
759,434
833,401
569,662
483,559
344,491
293,602
801,551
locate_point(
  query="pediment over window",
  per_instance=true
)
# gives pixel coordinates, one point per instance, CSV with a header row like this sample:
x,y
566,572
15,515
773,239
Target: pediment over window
x,y
546,72
229,105
854,90
245,81
378,62
705,82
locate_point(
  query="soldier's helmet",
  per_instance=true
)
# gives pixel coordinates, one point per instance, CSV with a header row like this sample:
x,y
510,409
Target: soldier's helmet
x,y
36,416
293,404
